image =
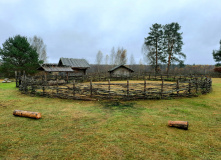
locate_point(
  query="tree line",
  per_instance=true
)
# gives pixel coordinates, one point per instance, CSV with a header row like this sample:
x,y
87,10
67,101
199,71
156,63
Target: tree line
x,y
115,57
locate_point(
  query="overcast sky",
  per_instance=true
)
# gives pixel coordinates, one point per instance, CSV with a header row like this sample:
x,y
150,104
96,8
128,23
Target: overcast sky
x,y
80,28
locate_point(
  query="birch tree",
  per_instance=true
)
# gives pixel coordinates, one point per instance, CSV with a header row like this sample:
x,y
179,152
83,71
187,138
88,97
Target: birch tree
x,y
38,44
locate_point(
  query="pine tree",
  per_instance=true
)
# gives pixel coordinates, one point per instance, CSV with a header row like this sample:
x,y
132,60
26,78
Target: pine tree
x,y
154,44
173,44
217,55
18,55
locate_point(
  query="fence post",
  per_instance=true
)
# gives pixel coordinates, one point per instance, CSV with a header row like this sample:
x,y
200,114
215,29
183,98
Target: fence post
x,y
57,84
145,86
32,86
67,77
109,87
43,89
19,78
74,88
16,78
42,80
127,87
161,89
43,83
196,85
206,83
25,82
210,83
177,87
189,89
45,77
91,87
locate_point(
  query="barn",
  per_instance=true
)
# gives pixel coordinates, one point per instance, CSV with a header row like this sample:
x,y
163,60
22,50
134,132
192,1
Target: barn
x,y
79,66
120,70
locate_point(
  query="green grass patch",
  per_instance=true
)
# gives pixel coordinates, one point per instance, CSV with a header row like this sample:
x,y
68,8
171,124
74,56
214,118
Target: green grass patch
x,y
71,129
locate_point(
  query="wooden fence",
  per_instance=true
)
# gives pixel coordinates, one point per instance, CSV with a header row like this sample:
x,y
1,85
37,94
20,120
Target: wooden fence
x,y
97,87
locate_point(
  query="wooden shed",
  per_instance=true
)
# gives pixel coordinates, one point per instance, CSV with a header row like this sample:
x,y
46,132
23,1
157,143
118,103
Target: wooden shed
x,y
79,66
54,69
120,71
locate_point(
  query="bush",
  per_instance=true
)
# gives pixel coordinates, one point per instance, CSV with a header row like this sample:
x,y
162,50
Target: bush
x,y
217,69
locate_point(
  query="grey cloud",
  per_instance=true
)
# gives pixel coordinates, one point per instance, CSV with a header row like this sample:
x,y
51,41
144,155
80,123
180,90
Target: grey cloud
x,y
79,29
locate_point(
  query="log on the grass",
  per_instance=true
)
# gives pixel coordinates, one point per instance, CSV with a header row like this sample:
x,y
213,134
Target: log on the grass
x,y
28,114
178,124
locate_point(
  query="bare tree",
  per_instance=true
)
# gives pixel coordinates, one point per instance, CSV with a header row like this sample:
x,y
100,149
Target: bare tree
x,y
112,56
106,59
38,44
121,56
150,56
99,58
106,62
132,60
117,57
141,66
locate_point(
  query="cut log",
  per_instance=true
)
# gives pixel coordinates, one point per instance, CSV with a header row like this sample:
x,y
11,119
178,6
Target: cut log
x,y
178,124
28,114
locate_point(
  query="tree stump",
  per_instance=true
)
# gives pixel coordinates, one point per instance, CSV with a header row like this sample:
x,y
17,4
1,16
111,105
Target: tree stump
x,y
179,124
28,114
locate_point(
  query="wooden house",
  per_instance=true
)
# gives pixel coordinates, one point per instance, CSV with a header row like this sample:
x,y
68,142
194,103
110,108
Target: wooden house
x,y
120,71
79,66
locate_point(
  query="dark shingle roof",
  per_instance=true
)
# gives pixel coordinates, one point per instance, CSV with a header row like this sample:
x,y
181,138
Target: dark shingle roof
x,y
119,67
74,63
55,68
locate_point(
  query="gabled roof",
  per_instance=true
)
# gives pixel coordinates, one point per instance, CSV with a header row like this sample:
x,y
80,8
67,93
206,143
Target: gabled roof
x,y
74,63
121,65
51,67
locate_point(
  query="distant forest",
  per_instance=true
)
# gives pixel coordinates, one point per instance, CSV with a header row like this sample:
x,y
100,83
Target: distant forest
x,y
175,69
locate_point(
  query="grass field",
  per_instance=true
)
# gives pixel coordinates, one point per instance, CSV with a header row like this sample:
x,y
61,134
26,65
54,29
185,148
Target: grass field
x,y
71,129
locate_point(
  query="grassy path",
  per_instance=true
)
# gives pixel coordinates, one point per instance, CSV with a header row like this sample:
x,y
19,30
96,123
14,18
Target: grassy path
x,y
110,130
